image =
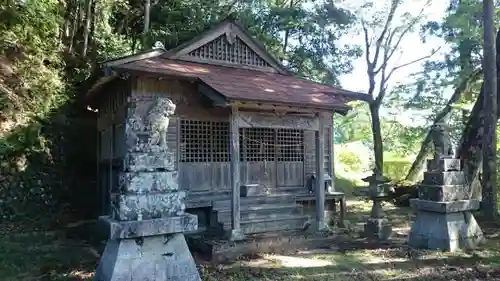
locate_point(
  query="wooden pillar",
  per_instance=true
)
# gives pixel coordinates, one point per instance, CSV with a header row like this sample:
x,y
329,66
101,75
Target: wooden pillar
x,y
320,174
331,139
234,151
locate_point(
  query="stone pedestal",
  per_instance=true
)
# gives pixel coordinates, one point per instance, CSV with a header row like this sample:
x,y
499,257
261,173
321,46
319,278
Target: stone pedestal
x,y
377,226
147,222
444,219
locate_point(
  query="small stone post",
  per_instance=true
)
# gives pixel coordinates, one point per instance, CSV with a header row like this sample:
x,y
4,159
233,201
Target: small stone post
x,y
147,223
444,219
377,226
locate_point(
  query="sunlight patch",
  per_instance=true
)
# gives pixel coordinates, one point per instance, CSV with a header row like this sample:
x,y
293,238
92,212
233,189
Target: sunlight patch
x,y
287,261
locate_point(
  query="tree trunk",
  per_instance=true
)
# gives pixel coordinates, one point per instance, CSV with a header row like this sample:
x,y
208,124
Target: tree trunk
x,y
470,150
378,147
86,31
419,163
147,7
489,181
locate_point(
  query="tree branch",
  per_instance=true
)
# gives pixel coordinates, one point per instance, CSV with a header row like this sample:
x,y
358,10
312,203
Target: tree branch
x,y
367,43
400,38
410,63
390,17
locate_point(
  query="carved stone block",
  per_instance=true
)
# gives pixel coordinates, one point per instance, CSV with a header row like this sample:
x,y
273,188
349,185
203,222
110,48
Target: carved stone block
x,y
149,206
444,178
146,182
135,162
134,229
378,228
444,192
445,231
155,258
445,164
445,207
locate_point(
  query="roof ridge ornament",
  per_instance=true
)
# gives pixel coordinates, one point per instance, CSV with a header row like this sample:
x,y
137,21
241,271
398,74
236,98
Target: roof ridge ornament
x,y
230,36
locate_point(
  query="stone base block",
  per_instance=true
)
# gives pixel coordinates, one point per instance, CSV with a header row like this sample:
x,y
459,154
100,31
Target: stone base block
x,y
444,178
148,206
133,229
379,229
148,182
445,207
446,164
155,258
247,190
235,235
164,160
445,231
441,193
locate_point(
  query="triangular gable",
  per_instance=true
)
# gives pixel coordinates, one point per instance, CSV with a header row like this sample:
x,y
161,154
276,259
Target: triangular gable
x,y
227,44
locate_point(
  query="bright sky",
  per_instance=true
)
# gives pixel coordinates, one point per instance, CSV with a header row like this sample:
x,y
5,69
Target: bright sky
x,y
411,47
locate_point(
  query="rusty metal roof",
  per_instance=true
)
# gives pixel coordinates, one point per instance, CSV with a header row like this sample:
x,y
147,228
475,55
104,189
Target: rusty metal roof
x,y
249,85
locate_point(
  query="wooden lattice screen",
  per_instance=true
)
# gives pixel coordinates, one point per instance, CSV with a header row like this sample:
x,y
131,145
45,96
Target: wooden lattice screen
x,y
221,50
290,143
204,141
266,144
208,141
257,144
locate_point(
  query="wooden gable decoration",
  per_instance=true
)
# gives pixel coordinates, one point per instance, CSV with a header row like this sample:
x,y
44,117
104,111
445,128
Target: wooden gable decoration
x,y
228,44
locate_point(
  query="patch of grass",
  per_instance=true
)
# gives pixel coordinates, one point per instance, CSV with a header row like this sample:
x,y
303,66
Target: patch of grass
x,y
44,256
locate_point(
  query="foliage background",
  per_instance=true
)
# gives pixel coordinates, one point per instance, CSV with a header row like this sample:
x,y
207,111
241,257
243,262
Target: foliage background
x,y
49,50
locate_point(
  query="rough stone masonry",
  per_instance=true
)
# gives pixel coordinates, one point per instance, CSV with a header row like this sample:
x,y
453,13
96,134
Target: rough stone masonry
x,y
444,205
147,223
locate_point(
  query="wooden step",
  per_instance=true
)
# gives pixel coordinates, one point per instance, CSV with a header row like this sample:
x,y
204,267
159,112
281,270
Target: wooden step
x,y
270,224
279,198
263,210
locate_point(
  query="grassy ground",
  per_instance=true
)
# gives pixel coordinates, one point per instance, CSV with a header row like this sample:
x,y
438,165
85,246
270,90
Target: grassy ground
x,y
53,256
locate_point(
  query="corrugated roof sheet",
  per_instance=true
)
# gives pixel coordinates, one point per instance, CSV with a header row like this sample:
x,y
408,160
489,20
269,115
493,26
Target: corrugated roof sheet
x,y
250,85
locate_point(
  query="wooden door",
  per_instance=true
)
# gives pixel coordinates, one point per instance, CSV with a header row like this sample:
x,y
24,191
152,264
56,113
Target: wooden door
x,y
289,159
258,157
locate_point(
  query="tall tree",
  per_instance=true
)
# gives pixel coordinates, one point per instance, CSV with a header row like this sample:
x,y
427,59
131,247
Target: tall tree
x,y
490,117
382,40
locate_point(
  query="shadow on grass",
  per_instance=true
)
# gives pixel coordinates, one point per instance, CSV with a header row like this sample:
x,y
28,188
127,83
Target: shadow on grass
x,y
45,256
349,268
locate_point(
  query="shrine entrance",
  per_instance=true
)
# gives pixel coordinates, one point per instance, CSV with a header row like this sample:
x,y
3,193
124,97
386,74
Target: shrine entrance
x,y
272,158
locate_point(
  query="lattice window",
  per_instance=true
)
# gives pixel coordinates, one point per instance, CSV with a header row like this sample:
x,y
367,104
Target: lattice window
x,y
290,144
265,144
257,144
238,52
204,141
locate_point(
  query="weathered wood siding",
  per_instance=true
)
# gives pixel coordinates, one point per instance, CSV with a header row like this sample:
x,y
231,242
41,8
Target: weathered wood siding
x,y
111,106
190,105
213,176
310,147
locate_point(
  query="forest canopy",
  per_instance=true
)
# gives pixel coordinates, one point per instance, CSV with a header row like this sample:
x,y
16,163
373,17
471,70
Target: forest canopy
x,y
49,50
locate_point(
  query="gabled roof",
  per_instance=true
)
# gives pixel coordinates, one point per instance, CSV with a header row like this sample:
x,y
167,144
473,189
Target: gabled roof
x,y
234,84
233,32
232,81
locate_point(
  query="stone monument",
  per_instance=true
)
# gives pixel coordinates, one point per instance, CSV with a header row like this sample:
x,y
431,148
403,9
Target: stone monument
x,y
377,226
444,220
147,223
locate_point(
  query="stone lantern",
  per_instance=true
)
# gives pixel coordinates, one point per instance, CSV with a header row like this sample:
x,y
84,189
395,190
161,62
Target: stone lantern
x,y
377,226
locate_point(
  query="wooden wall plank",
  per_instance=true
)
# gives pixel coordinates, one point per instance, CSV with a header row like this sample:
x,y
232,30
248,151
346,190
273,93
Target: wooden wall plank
x,y
257,120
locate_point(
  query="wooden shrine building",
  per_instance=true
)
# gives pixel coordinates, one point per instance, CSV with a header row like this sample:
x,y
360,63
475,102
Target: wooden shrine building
x,y
253,142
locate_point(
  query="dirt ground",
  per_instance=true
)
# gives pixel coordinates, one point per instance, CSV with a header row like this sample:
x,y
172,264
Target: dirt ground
x,y
58,255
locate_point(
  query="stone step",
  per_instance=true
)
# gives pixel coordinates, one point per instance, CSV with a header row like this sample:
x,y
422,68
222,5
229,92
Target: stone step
x,y
279,198
263,210
268,224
